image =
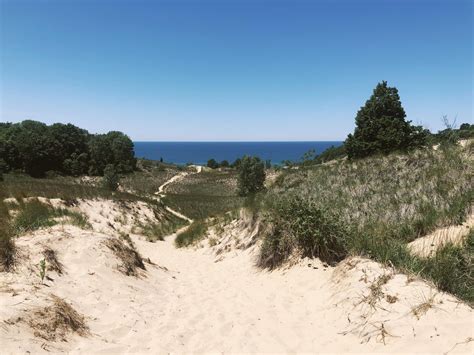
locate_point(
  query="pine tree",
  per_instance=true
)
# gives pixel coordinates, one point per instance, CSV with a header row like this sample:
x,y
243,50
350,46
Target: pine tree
x,y
381,126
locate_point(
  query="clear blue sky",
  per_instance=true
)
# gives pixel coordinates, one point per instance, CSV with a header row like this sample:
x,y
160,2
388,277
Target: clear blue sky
x,y
232,70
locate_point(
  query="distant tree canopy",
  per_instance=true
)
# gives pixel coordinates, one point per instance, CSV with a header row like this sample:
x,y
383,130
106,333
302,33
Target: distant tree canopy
x,y
381,126
36,148
251,175
212,163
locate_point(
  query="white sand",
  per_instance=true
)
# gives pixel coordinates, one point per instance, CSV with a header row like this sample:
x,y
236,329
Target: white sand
x,y
428,245
200,305
213,299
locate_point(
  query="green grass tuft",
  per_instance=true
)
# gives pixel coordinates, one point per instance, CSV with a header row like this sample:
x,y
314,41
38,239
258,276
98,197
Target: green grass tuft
x,y
195,232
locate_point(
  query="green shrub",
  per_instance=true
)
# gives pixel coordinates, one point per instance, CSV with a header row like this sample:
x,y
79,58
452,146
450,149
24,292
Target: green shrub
x,y
251,176
299,224
195,232
110,180
331,153
7,242
212,163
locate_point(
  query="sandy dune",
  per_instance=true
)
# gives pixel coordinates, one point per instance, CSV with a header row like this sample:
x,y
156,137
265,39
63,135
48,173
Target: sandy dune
x,y
428,245
212,298
190,302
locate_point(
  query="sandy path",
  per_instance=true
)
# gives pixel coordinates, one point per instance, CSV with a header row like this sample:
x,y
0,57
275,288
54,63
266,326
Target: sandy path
x,y
161,193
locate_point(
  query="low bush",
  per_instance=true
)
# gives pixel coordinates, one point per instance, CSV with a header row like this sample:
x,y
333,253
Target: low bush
x,y
110,181
299,225
195,232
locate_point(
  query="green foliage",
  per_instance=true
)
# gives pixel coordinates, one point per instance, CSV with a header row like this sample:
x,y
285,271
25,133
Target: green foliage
x,y
209,193
113,148
7,242
224,164
381,203
212,163
195,232
236,163
251,175
302,225
110,181
157,231
42,269
452,269
33,215
36,148
331,153
450,135
381,126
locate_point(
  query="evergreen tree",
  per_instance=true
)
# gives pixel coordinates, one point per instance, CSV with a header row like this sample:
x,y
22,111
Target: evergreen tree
x,y
381,126
251,175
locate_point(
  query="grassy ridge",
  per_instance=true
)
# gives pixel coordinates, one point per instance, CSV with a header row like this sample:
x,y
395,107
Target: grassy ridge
x,y
374,207
204,194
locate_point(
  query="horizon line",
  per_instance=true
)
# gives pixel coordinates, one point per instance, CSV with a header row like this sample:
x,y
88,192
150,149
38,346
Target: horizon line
x,y
236,141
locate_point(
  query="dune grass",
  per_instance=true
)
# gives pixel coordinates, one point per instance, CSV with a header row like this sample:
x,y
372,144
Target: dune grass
x,y
374,207
195,232
206,194
33,215
67,188
8,250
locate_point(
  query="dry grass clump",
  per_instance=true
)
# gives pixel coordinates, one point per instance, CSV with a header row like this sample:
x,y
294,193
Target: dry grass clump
x,y
52,260
57,321
423,307
376,293
131,260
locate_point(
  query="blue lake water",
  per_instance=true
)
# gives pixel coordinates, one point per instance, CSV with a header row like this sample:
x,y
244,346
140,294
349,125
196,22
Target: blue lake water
x,y
201,152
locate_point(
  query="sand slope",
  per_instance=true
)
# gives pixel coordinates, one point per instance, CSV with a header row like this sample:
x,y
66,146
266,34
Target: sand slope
x,y
212,298
190,302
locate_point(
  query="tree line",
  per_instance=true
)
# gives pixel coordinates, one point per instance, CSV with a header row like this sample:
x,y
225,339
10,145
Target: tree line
x,y
36,148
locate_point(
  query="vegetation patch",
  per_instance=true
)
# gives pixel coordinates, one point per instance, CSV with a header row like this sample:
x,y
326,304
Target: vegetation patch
x,y
301,225
205,194
52,261
157,231
57,321
34,214
130,258
452,269
195,232
8,250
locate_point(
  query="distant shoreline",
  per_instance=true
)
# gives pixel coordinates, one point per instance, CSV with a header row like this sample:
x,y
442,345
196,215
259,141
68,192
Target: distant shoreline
x,y
200,152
